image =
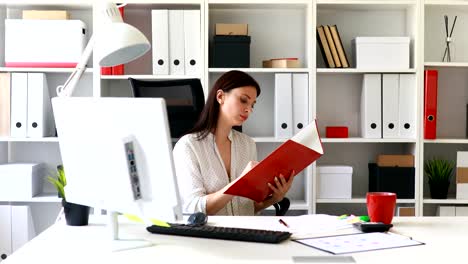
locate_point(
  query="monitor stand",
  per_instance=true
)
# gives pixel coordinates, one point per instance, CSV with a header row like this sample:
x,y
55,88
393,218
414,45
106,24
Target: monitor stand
x,y
119,244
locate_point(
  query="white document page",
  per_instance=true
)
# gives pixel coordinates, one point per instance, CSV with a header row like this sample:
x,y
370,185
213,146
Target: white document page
x,y
359,242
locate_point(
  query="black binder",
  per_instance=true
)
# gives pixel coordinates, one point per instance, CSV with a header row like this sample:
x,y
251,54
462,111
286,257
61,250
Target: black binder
x,y
399,180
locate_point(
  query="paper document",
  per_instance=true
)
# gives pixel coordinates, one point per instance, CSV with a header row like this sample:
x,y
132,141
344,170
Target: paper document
x,y
346,244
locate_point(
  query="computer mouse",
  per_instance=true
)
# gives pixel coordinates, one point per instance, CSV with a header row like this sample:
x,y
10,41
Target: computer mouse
x,y
197,219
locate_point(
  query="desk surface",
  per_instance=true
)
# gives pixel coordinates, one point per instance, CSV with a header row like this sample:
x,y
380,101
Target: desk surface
x,y
446,241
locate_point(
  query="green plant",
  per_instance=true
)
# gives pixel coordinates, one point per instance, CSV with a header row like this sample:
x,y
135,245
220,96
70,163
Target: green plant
x,y
59,181
438,170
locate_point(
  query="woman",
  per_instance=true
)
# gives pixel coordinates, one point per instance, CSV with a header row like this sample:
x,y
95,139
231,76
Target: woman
x,y
213,155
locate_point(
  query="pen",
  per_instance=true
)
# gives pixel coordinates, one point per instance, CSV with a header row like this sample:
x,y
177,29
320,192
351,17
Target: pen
x,y
283,223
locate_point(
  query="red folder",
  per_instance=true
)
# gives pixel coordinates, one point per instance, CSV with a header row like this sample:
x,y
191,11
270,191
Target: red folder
x,y
430,103
295,154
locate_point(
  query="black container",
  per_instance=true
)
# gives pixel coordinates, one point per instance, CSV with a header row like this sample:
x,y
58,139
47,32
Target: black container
x,y
399,180
231,52
75,214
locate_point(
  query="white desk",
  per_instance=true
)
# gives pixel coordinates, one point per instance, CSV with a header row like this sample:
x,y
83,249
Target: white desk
x,y
446,241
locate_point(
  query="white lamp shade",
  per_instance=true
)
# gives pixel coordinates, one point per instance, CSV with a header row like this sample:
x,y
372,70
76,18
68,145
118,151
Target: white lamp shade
x,y
120,43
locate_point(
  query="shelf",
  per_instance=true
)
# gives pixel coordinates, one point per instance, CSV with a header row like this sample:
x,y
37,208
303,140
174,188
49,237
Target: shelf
x,y
446,64
257,4
445,201
447,141
269,139
368,4
368,140
361,71
446,2
147,77
45,139
358,200
258,70
44,70
41,198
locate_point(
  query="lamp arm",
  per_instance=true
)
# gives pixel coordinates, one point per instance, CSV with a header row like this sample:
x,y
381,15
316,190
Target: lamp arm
x,y
69,86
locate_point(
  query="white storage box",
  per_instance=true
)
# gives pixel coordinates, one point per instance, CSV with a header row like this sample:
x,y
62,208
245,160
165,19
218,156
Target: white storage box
x,y
382,52
462,159
20,181
443,210
44,43
334,182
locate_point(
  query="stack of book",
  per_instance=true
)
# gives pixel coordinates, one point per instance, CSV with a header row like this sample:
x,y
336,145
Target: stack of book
x,y
331,47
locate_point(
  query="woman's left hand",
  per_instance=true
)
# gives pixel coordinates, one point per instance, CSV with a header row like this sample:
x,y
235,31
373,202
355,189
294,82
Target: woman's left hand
x,y
280,188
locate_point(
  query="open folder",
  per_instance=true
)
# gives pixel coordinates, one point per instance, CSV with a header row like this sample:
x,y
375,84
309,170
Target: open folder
x,y
293,155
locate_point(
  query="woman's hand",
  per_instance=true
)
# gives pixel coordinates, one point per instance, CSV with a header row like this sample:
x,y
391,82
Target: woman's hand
x,y
280,188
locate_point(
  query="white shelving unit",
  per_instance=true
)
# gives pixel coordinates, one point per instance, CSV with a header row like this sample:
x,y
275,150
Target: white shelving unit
x,y
281,28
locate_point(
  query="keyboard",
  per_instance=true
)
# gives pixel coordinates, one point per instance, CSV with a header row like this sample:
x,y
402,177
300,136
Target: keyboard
x,y
218,232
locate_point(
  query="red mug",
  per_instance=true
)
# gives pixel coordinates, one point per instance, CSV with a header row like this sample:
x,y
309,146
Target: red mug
x,y
381,206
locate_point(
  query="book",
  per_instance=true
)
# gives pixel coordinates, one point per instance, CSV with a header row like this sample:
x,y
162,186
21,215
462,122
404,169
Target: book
x,y
333,50
339,46
293,155
324,48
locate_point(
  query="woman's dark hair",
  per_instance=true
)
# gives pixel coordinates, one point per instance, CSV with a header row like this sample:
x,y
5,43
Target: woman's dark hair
x,y
209,116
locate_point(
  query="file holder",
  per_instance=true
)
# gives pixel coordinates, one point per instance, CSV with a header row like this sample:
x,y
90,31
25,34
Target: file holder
x,y
399,180
231,52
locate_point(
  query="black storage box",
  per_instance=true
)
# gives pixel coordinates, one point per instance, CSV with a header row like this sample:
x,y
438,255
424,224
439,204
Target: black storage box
x,y
231,52
399,180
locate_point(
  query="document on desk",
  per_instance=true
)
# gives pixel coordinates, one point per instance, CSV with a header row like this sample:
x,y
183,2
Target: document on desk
x,y
345,244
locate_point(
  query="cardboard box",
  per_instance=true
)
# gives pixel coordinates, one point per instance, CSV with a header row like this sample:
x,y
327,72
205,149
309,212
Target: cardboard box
x,y
46,14
406,211
462,175
461,211
281,63
395,160
21,181
336,132
232,29
462,183
44,43
381,52
334,182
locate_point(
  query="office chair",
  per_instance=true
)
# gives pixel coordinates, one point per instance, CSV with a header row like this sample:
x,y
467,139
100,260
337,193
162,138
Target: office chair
x,y
184,100
282,207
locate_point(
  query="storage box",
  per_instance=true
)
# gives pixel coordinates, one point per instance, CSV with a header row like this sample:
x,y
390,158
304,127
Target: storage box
x,y
281,63
231,52
336,132
462,159
406,211
20,181
382,52
334,182
443,210
46,14
44,43
395,160
399,180
232,29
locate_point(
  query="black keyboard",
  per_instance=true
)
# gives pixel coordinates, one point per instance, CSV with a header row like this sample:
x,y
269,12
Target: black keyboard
x,y
218,232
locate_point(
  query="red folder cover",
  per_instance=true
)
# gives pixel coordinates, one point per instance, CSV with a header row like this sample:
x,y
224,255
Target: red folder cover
x,y
430,103
295,154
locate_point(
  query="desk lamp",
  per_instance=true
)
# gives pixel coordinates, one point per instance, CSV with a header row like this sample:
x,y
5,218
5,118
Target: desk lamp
x,y
117,43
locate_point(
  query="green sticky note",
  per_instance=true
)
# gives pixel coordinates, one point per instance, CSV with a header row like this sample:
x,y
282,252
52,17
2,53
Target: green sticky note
x,y
364,218
137,219
159,223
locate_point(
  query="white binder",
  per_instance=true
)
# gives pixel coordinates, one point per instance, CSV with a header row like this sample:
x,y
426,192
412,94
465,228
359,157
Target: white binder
x,y
160,43
390,116
19,104
176,42
300,101
407,106
192,42
283,105
5,96
40,118
22,228
5,230
371,106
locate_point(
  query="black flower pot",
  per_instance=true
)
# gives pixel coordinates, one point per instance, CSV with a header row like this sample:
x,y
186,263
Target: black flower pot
x,y
75,214
439,190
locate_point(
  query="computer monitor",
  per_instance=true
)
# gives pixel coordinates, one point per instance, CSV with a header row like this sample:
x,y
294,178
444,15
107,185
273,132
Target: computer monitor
x,y
117,155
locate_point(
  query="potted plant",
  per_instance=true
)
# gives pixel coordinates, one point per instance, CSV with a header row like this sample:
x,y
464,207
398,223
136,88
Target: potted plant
x,y
75,214
439,172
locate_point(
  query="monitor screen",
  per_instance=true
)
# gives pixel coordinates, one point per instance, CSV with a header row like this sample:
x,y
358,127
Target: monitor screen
x,y
117,155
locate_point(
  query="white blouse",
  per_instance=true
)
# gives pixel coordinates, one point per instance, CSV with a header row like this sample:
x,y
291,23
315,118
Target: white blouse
x,y
201,171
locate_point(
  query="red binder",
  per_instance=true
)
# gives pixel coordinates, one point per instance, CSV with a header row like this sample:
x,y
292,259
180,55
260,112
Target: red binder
x,y
295,154
430,103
